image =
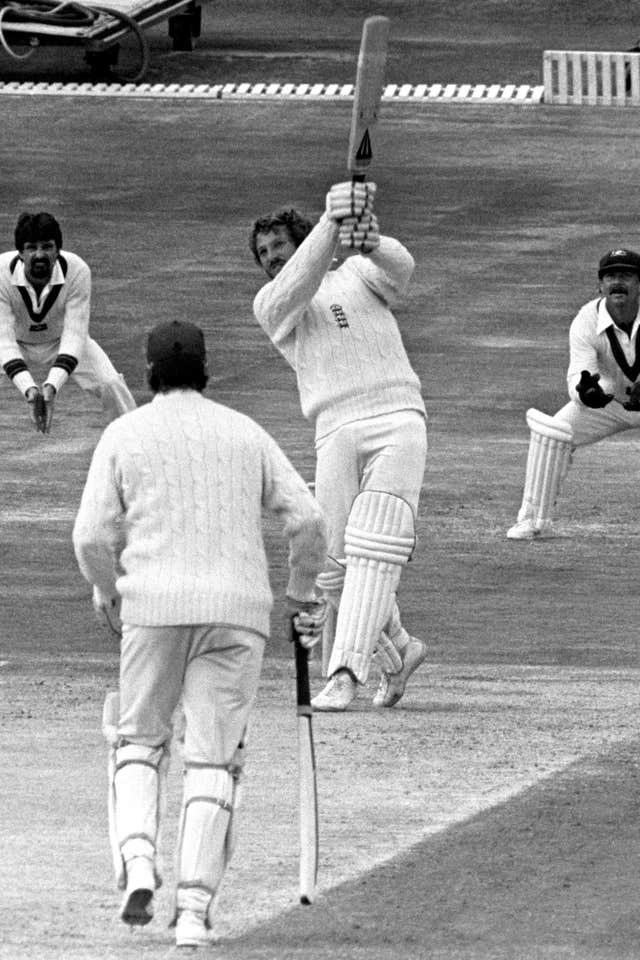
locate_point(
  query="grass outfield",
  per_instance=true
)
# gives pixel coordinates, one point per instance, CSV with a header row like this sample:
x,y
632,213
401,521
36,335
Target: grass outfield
x,y
493,813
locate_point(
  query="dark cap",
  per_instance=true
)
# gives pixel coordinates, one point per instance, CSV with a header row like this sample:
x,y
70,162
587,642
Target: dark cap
x,y
621,259
168,341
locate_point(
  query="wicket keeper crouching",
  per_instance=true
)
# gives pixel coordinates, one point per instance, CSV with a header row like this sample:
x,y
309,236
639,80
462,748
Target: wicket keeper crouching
x,y
45,306
187,479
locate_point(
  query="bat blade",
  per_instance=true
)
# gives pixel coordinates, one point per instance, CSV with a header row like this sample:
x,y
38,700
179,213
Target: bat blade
x,y
309,836
367,95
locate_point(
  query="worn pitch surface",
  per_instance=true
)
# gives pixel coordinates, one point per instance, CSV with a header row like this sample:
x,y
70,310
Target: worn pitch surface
x,y
494,812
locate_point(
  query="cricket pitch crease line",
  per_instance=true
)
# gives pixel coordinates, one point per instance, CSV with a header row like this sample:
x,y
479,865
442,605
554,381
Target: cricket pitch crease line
x,y
229,929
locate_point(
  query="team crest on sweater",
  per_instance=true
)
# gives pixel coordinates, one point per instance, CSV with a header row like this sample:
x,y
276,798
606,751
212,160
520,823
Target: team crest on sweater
x,y
339,315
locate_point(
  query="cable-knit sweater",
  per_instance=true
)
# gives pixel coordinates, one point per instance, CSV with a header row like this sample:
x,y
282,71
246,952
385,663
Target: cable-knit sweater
x,y
337,331
171,516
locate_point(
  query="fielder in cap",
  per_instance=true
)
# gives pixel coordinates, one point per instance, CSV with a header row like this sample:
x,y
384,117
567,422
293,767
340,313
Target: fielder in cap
x,y
45,306
604,389
169,535
333,323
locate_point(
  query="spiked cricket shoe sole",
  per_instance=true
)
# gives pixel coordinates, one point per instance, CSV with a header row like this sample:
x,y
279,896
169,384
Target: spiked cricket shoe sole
x,y
393,685
137,909
137,906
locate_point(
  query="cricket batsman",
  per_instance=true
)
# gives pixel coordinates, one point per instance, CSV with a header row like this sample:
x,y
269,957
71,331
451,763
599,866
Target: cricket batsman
x,y
333,323
45,305
169,530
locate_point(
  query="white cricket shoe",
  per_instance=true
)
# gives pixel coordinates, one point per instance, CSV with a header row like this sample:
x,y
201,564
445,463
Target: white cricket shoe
x,y
137,905
340,691
525,530
191,929
392,685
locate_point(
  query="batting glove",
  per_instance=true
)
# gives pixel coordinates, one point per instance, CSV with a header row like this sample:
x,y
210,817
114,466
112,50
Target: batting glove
x,y
360,233
350,199
308,619
107,611
633,403
590,391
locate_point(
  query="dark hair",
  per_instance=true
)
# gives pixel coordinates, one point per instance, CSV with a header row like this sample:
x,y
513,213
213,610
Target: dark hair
x,y
182,371
37,226
298,226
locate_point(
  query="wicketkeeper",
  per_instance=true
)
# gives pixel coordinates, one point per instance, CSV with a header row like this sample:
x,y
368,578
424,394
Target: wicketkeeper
x,y
169,530
334,325
604,386
45,306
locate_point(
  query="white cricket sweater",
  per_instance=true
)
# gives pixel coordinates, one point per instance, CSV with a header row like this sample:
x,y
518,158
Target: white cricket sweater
x,y
337,331
171,516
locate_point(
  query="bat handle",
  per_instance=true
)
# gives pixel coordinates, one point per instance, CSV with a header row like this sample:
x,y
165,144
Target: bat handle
x,y
303,689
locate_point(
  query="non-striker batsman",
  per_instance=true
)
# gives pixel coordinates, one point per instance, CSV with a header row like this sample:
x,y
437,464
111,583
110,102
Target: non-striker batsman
x,y
170,525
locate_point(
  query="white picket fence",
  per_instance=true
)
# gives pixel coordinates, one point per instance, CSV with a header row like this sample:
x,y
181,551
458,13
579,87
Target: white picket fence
x,y
591,77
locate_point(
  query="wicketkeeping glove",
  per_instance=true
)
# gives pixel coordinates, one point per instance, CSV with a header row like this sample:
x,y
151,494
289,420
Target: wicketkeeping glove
x,y
37,408
350,199
360,233
633,403
41,404
308,619
590,391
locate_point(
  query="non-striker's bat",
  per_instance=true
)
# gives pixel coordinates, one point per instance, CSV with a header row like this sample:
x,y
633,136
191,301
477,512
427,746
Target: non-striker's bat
x,y
307,774
367,95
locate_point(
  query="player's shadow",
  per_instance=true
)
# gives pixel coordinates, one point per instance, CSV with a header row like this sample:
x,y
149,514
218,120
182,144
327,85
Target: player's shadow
x,y
552,872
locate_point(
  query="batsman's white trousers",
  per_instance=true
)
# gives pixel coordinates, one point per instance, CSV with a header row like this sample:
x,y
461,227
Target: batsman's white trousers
x,y
216,670
589,426
386,453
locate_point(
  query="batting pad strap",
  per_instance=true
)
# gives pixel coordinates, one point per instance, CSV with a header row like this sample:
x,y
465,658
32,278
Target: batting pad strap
x,y
331,580
551,427
381,527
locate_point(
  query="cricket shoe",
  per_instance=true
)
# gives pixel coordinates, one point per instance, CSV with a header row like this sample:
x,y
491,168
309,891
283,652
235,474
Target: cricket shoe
x,y
525,530
137,906
341,689
191,929
393,685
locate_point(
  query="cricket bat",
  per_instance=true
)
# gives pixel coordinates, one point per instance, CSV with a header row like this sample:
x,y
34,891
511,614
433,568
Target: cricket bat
x,y
309,843
367,95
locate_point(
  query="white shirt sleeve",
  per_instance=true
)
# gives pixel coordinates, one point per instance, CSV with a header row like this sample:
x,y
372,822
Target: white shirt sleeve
x,y
280,305
387,270
583,352
97,530
75,332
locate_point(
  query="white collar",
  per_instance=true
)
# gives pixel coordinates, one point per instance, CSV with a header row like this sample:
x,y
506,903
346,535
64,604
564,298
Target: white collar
x,y
606,320
19,278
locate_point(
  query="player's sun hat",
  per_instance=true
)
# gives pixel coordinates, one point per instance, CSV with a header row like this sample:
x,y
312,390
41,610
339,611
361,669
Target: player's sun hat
x,y
168,341
622,259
